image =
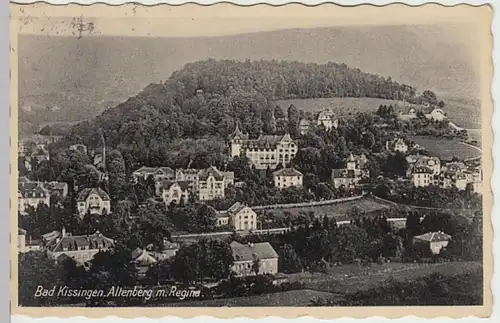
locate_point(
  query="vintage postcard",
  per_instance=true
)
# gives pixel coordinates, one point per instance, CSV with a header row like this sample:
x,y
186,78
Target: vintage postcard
x,y
251,161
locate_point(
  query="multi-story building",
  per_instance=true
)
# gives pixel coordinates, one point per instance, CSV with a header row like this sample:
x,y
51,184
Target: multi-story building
x,y
422,176
93,200
80,248
287,177
239,216
175,192
326,119
398,145
265,151
433,163
434,241
254,259
31,194
354,172
158,173
211,184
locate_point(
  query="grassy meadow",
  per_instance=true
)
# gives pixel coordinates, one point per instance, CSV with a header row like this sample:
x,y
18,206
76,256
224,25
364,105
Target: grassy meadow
x,y
338,211
465,113
447,148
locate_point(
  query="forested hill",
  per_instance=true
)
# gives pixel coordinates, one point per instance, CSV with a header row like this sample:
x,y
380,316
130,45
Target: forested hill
x,y
209,97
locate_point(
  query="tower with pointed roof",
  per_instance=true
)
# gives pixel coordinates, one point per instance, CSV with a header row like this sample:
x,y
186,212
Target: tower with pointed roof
x,y
236,141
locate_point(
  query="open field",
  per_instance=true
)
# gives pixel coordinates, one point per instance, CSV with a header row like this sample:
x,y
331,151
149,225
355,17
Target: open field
x,y
338,210
337,282
465,113
301,297
475,134
446,149
366,278
341,106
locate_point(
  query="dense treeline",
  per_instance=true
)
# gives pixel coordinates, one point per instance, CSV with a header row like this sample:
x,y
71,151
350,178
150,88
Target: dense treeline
x,y
208,98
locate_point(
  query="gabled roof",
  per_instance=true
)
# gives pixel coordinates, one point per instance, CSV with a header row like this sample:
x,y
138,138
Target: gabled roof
x,y
427,161
287,172
326,114
145,170
192,171
48,237
142,257
32,191
93,241
249,252
433,236
233,210
184,185
56,185
86,192
211,171
238,134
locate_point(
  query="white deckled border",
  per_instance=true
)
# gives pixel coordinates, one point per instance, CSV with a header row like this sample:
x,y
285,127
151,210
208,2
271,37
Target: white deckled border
x,y
495,183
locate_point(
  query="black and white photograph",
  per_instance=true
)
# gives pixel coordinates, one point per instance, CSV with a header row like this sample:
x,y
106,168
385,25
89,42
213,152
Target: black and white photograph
x,y
273,163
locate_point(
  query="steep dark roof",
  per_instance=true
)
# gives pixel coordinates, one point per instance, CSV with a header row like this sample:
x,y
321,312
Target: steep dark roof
x,y
32,192
56,185
211,171
249,252
422,170
266,141
84,194
343,173
93,241
166,184
287,172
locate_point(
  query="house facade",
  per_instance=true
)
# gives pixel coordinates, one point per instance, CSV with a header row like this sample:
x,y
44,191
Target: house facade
x,y
31,194
265,151
80,248
435,241
304,126
422,176
93,200
240,216
354,172
158,173
326,119
287,177
254,259
175,192
398,145
416,161
211,184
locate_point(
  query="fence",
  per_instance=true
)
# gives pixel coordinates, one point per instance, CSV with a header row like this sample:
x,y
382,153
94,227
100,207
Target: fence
x,y
307,204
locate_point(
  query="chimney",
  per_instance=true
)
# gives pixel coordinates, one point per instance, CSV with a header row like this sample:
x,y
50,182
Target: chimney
x,y
63,232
